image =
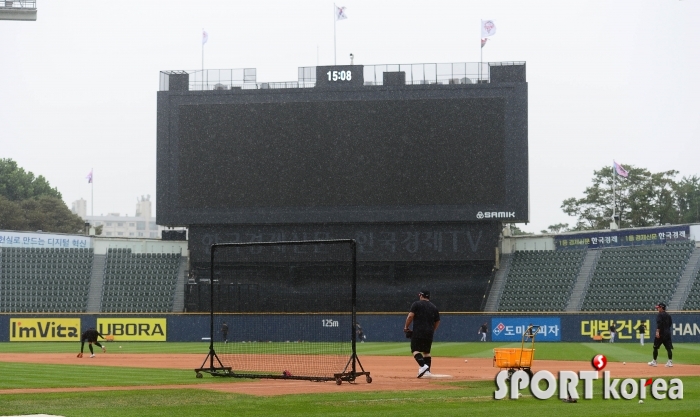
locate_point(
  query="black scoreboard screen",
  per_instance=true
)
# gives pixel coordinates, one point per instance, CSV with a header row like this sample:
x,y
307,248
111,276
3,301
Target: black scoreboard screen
x,y
326,154
368,154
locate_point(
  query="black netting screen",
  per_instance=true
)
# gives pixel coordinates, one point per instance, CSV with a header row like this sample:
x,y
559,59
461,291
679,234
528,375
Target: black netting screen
x,y
285,308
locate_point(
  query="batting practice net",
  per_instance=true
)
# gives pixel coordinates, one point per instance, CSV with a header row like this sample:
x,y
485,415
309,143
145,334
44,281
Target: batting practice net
x,y
284,310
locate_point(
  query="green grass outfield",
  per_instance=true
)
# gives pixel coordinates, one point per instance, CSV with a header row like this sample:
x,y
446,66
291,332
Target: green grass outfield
x,y
473,398
684,353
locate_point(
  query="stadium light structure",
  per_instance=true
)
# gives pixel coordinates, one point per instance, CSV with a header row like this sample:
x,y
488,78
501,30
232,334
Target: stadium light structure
x,y
23,10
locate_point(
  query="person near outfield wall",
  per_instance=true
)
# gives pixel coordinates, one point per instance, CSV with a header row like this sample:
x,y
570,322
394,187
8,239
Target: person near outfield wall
x,y
426,319
482,331
528,332
224,332
360,334
90,335
613,332
664,325
642,329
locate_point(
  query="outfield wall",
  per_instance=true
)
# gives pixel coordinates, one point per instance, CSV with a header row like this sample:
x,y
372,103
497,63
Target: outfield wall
x,y
388,327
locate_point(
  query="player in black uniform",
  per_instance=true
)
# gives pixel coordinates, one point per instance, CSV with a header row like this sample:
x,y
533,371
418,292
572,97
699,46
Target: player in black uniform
x,y
90,335
426,319
613,332
482,331
641,329
224,332
360,333
664,324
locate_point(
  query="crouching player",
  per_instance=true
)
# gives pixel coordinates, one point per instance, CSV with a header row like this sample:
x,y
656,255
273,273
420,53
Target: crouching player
x,y
90,335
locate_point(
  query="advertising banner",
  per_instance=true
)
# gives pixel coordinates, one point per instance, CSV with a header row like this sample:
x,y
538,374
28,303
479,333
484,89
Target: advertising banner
x,y
42,240
511,329
454,327
622,237
44,330
583,326
627,329
133,329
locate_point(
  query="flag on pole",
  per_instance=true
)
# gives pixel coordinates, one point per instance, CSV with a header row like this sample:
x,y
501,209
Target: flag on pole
x,y
620,170
483,41
205,37
340,13
488,28
89,177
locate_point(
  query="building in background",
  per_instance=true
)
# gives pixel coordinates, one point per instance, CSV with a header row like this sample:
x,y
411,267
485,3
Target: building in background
x,y
141,225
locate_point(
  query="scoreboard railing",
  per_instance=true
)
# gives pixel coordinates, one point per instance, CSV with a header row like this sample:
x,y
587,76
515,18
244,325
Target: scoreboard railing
x,y
18,4
415,74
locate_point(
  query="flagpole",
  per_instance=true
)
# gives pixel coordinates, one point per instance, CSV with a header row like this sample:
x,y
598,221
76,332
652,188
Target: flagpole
x,y
335,55
92,192
481,50
202,61
614,195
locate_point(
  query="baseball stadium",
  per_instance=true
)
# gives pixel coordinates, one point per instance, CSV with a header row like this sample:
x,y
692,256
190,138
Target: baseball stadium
x,y
293,271
304,218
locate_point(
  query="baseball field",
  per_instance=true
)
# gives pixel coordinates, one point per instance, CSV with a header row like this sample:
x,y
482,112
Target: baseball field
x,y
158,379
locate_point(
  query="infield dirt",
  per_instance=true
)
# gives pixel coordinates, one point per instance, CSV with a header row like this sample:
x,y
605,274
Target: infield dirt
x,y
389,373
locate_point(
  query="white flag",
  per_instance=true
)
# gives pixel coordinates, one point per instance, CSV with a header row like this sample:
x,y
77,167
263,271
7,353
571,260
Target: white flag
x,y
488,28
205,37
340,13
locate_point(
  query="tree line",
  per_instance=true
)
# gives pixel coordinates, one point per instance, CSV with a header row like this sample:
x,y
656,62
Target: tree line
x,y
641,199
29,203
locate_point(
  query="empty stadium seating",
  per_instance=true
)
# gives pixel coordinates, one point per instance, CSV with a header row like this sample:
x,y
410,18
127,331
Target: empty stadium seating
x,y
45,280
624,279
38,280
139,283
540,280
636,278
693,300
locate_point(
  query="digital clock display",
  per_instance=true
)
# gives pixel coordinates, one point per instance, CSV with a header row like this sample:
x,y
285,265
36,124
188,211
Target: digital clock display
x,y
340,75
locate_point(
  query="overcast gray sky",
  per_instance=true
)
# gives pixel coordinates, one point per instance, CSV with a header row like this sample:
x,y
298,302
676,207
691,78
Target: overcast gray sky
x,y
607,79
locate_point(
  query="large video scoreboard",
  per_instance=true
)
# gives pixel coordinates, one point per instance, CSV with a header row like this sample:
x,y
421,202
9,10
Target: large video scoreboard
x,y
343,152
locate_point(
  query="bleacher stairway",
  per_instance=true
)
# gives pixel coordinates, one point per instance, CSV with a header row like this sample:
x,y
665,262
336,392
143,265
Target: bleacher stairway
x,y
583,280
499,282
96,282
686,281
179,300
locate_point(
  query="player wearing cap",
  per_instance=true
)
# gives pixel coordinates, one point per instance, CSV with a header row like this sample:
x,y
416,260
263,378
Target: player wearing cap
x,y
664,324
426,319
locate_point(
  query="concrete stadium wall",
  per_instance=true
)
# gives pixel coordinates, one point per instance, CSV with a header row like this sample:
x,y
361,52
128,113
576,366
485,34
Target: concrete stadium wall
x,y
454,327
